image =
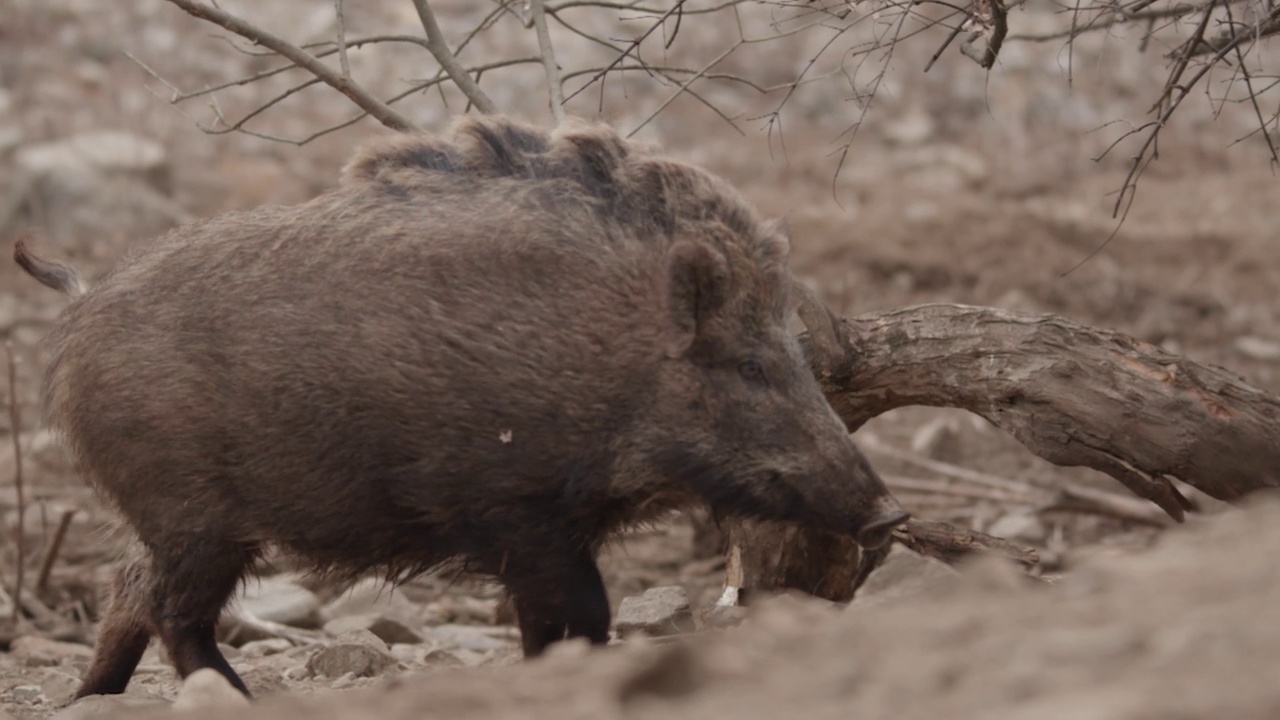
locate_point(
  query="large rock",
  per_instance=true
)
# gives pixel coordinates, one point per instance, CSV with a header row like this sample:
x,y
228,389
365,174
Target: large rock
x,y
659,611
103,151
89,181
903,573
34,651
360,653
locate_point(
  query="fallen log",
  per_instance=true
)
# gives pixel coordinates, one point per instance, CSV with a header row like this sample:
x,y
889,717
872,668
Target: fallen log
x,y
1072,394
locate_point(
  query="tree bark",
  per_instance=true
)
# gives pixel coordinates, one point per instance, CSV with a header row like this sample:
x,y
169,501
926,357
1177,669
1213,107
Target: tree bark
x,y
1072,394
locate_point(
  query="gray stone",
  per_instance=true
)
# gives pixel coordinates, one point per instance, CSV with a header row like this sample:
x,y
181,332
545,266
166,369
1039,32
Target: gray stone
x,y
659,611
263,648
206,688
281,600
59,686
388,630
103,706
360,653
1023,527
941,168
911,129
902,574
35,650
10,137
410,654
107,151
1256,348
370,596
474,638
88,181
265,677
27,695
350,681
720,617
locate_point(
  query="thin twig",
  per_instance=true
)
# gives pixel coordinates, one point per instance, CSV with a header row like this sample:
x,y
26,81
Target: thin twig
x,y
1252,94
942,487
51,552
439,49
301,58
1171,101
1267,26
539,17
631,47
343,61
942,468
1081,499
15,426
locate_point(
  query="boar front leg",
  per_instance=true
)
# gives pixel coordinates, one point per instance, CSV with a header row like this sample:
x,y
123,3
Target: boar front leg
x,y
557,595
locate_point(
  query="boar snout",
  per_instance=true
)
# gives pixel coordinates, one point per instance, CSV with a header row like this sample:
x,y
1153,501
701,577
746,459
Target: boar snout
x,y
878,528
858,502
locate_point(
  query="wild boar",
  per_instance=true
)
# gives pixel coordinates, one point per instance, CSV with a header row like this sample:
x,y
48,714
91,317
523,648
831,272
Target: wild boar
x,y
491,349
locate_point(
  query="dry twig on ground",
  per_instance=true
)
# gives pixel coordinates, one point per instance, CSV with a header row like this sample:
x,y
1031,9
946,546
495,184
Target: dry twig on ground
x,y
51,551
15,432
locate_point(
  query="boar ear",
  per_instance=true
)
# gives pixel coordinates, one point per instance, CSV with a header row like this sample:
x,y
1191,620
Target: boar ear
x,y
697,283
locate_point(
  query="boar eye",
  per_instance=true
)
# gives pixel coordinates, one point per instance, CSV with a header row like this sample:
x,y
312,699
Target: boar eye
x,y
752,370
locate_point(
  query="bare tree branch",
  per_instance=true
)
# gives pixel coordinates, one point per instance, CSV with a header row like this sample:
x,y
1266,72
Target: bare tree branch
x,y
1270,25
631,47
539,16
1243,67
301,58
439,48
865,57
343,61
989,19
1053,390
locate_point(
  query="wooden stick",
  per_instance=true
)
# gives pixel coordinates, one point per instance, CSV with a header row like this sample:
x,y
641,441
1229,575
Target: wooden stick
x,y
15,426
949,543
51,552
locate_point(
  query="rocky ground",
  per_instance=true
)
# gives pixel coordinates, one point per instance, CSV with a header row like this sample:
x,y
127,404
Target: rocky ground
x,y
959,191
1180,630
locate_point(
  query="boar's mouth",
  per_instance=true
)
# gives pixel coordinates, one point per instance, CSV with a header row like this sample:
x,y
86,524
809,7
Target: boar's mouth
x,y
775,495
871,524
877,532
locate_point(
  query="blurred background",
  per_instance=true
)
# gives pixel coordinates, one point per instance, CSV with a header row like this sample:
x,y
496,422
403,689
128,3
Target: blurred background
x,y
959,185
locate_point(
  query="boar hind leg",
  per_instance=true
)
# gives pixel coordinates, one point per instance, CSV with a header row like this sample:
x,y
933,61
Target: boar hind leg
x,y
194,581
558,596
124,632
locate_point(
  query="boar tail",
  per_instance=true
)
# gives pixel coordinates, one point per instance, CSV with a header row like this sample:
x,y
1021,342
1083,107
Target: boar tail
x,y
50,273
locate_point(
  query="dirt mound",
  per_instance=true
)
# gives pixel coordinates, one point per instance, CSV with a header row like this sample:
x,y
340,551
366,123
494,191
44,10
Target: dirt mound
x,y
1181,630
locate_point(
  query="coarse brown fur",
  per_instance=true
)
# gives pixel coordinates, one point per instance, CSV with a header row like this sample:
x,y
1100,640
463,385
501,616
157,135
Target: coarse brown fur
x,y
494,348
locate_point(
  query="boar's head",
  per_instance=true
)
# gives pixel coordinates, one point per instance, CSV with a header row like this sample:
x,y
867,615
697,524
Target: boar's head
x,y
738,417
